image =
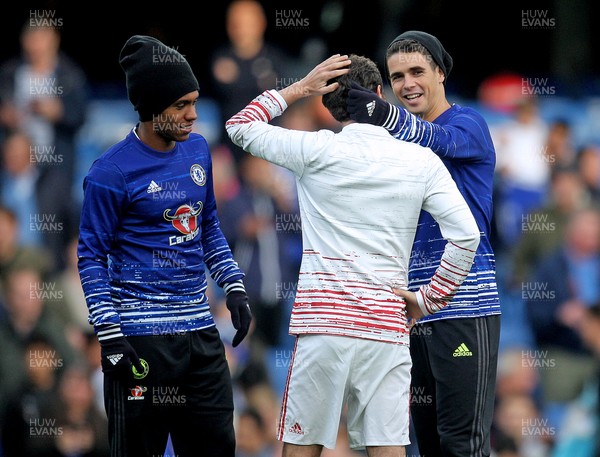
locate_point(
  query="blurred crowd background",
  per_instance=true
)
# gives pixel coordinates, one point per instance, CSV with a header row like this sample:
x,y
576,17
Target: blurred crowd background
x,y
532,70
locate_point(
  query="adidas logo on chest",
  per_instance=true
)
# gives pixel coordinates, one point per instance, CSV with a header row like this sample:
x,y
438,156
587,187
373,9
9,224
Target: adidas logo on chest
x,y
153,187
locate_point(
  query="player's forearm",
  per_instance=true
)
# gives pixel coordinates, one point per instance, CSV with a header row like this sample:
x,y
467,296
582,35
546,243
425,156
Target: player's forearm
x,y
459,228
448,141
454,268
98,224
97,292
263,108
217,255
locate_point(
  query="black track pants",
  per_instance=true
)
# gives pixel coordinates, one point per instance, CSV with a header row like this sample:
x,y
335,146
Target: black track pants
x,y
453,385
187,393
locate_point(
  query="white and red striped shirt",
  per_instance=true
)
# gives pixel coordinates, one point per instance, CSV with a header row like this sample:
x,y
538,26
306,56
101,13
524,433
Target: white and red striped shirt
x,y
360,193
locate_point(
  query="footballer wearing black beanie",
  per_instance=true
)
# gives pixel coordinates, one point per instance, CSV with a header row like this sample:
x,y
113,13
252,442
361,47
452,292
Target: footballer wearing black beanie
x,y
433,45
156,75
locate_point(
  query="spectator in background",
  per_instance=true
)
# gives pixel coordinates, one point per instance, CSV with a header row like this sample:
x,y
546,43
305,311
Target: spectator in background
x,y
84,428
92,354
247,64
44,93
27,424
27,316
518,373
261,397
518,400
543,230
266,217
578,434
225,177
37,195
18,180
560,147
588,164
252,435
14,253
518,427
522,168
562,286
582,422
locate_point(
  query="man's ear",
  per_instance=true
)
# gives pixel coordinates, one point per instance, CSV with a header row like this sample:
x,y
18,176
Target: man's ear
x,y
379,91
441,75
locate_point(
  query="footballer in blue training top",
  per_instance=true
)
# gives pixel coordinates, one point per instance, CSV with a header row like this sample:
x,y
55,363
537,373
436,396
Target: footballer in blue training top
x,y
454,351
154,215
149,232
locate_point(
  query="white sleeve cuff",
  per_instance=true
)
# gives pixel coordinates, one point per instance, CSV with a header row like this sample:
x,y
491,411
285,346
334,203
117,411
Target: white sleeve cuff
x,y
421,302
236,286
109,332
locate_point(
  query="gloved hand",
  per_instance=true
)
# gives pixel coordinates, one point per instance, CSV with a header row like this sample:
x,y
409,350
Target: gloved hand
x,y
367,107
241,316
117,357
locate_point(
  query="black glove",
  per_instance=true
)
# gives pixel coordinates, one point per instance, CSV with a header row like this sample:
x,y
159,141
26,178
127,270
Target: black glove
x,y
241,316
118,356
367,107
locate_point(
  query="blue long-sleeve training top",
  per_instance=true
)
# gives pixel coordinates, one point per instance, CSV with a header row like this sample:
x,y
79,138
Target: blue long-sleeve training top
x,y
461,138
148,230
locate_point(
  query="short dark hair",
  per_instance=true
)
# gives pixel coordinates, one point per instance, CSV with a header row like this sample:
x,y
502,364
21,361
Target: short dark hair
x,y
362,71
408,46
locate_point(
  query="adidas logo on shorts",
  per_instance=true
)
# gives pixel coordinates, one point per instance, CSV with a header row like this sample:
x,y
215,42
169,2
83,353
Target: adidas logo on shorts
x,y
114,358
296,429
462,351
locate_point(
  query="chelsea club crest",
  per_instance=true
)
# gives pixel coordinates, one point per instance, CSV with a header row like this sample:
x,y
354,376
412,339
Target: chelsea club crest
x,y
198,174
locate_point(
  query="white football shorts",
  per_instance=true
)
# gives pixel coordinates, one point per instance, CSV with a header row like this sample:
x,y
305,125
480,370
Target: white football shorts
x,y
330,377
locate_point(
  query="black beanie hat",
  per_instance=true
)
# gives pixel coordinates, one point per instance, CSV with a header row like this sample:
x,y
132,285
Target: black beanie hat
x,y
156,75
433,45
